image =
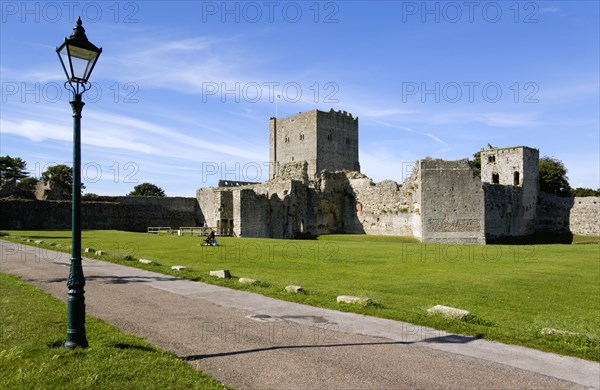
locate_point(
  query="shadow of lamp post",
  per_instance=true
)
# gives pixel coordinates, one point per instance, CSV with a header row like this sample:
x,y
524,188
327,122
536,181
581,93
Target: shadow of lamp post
x,y
78,57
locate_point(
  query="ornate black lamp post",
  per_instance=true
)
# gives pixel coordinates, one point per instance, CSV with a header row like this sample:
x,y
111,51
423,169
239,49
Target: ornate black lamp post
x,y
78,57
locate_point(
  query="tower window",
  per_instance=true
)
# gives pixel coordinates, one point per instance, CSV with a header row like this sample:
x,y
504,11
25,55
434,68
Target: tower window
x,y
330,137
287,139
495,178
301,136
516,178
492,158
348,140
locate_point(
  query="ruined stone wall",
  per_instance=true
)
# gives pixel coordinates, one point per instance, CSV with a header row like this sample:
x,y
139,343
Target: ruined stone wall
x,y
580,215
585,216
297,171
209,205
330,204
251,213
452,202
130,213
386,208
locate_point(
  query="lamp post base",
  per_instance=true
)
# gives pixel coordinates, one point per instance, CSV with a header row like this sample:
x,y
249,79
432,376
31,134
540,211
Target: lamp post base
x,y
76,336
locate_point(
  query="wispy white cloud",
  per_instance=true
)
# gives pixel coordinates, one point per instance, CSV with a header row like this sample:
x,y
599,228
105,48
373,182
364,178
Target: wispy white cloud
x,y
436,139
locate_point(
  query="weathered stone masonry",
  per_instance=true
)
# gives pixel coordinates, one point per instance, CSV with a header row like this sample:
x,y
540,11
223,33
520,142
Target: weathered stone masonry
x,y
316,187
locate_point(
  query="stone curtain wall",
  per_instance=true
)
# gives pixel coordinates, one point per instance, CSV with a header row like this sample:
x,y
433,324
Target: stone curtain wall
x,y
585,216
119,213
452,202
580,215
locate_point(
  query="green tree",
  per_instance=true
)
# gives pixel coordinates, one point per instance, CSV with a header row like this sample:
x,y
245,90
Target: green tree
x,y
12,168
585,192
477,162
147,189
61,176
553,177
28,183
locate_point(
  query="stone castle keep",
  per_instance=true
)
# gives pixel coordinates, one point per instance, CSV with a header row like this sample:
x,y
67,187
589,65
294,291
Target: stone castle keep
x,y
315,187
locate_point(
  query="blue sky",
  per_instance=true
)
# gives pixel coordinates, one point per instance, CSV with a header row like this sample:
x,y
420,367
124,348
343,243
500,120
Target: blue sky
x,y
183,90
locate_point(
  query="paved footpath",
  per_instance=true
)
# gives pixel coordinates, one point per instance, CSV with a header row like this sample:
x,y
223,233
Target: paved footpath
x,y
249,341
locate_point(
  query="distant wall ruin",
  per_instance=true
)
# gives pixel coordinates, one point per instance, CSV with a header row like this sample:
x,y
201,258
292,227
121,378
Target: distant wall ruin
x,y
130,213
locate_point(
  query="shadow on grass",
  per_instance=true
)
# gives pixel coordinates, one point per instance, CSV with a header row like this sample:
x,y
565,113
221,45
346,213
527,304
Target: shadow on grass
x,y
133,346
534,239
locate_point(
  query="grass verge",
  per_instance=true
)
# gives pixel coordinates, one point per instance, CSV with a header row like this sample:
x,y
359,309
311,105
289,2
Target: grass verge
x,y
32,355
512,291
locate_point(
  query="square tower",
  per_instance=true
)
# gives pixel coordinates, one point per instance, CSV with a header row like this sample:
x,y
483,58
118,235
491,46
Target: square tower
x,y
325,140
511,190
513,166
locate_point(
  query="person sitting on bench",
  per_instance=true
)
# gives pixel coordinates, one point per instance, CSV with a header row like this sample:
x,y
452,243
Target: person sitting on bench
x,y
210,239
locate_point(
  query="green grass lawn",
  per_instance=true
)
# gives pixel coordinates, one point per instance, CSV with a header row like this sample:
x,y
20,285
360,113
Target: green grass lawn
x,y
32,356
512,291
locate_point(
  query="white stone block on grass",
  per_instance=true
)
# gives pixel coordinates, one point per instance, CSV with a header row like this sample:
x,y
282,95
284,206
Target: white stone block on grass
x,y
447,311
89,250
178,267
144,261
38,242
547,331
293,289
223,274
99,253
354,300
247,281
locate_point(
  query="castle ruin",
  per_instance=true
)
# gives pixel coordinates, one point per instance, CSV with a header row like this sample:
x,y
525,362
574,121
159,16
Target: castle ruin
x,y
315,187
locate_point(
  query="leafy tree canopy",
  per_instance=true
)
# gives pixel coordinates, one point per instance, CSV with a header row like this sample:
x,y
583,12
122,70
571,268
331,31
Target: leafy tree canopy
x,y
477,162
60,175
553,177
12,168
147,189
585,192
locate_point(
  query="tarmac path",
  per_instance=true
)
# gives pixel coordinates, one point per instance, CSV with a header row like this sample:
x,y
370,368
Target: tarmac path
x,y
249,341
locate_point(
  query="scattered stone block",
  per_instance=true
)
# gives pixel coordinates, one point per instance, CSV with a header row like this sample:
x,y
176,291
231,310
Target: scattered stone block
x,y
28,239
51,244
248,281
144,261
89,250
293,289
547,331
223,274
447,311
354,300
99,253
38,242
178,267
